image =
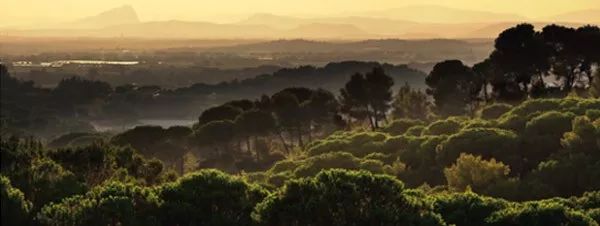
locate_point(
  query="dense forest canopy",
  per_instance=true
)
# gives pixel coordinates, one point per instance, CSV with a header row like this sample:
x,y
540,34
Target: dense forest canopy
x,y
512,140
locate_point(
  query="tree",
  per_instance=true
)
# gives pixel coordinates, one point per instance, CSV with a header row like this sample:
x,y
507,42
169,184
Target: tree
x,y
467,208
339,197
321,109
290,115
111,204
51,183
494,111
209,197
409,103
368,96
254,123
454,87
486,142
75,91
219,113
584,137
15,208
595,85
543,134
217,134
380,93
142,138
487,73
473,171
540,213
520,56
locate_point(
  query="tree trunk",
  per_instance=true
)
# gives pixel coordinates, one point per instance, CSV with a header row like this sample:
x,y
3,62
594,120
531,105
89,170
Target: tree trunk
x,y
370,116
256,150
299,132
181,165
283,142
248,146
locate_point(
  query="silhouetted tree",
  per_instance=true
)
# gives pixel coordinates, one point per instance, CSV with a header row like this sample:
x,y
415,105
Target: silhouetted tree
x,y
522,58
254,123
368,96
454,87
290,115
216,134
223,112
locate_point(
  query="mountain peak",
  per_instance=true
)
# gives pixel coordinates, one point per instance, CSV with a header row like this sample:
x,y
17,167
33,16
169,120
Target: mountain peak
x,y
125,14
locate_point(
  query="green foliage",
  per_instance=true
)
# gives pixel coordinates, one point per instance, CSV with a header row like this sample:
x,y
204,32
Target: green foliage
x,y
51,183
585,136
476,173
467,209
341,160
443,127
415,131
556,177
453,87
540,214
215,134
494,111
359,144
400,126
409,103
367,96
487,142
535,105
15,208
339,197
209,197
543,134
111,204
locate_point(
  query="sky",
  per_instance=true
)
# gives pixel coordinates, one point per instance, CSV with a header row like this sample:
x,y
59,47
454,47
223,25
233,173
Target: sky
x,y
28,12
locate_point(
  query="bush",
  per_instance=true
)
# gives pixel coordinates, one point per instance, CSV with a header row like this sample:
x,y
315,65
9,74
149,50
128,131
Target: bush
x,y
209,197
540,214
487,142
494,111
359,144
400,126
15,208
415,130
472,171
443,127
339,197
466,209
543,133
111,204
337,160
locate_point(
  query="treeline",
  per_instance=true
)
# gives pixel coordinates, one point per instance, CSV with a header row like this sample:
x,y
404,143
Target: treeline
x,y
333,197
74,102
525,63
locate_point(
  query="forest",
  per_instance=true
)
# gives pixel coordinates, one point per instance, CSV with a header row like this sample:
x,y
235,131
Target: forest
x,y
511,140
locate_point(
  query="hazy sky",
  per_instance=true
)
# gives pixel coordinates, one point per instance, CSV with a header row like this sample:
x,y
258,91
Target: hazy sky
x,y
22,12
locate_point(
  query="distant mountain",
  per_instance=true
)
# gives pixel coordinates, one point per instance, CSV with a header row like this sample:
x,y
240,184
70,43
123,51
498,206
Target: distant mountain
x,y
493,30
581,16
189,29
323,30
116,16
440,14
381,26
433,22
